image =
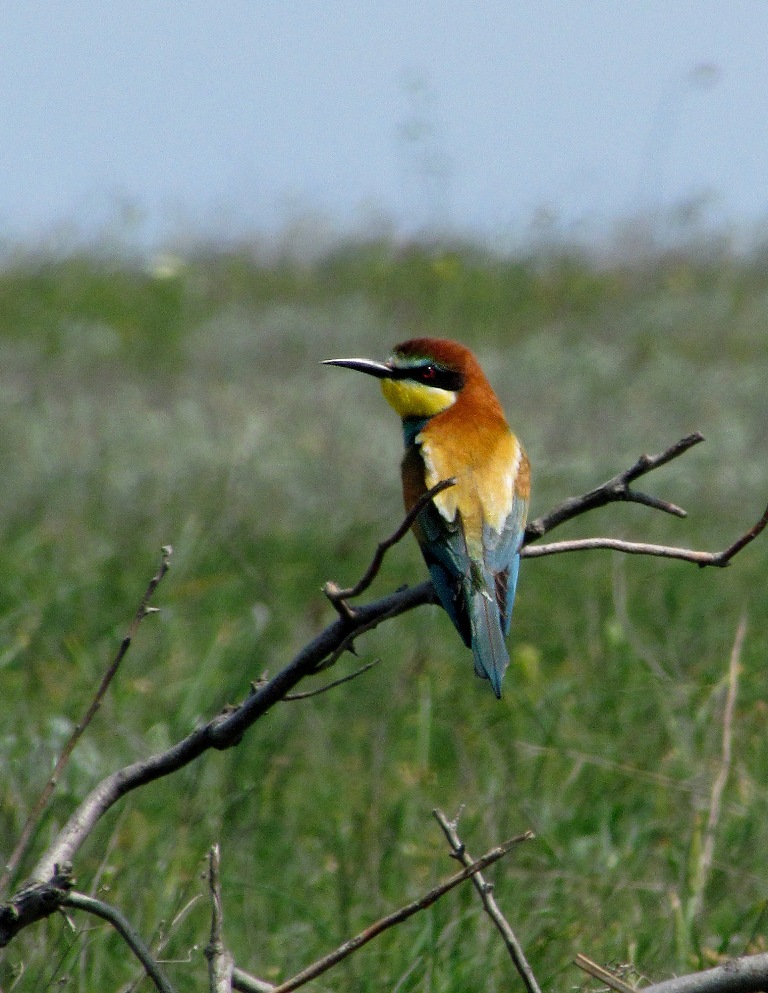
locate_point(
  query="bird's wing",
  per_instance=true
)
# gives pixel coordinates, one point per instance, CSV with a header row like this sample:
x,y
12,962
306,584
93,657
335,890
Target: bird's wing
x,y
445,552
501,552
441,540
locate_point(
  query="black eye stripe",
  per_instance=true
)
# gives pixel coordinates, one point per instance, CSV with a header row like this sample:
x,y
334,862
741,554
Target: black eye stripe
x,y
431,375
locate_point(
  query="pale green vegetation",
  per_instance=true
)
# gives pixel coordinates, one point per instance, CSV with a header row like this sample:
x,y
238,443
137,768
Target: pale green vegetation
x,y
185,405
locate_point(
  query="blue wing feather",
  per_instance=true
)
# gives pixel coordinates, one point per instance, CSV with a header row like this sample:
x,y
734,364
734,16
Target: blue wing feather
x,y
502,557
478,597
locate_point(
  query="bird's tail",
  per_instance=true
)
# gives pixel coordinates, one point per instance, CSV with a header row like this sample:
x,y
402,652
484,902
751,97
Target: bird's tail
x,y
488,647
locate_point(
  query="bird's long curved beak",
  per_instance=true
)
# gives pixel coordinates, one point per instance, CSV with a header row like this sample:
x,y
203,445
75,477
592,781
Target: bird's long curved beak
x,y
378,369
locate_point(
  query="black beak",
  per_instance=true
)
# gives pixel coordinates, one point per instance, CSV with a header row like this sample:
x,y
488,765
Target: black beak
x,y
378,369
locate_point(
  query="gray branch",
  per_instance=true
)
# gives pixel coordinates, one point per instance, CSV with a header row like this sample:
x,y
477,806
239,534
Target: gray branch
x,y
126,931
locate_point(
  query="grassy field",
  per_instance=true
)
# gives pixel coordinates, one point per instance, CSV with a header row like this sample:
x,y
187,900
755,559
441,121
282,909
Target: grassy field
x,y
182,402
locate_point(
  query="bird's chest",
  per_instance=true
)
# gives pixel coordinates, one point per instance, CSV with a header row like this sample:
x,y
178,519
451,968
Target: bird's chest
x,y
482,491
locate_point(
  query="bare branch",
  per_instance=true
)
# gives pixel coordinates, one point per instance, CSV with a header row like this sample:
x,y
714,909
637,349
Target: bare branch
x,y
42,801
126,931
224,731
347,949
219,960
247,983
743,975
34,901
613,490
604,975
485,891
339,597
329,686
725,557
618,545
719,559
616,489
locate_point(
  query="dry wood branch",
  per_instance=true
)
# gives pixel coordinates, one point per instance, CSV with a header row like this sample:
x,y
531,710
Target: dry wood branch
x,y
719,559
247,983
615,489
744,975
126,931
34,901
42,801
351,946
603,974
222,732
485,890
725,557
329,686
338,597
219,960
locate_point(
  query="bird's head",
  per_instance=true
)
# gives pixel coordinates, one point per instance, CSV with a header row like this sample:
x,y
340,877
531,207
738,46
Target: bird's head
x,y
422,377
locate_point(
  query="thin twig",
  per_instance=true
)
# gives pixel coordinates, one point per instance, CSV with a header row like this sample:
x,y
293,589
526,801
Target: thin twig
x,y
719,559
338,597
219,959
126,931
163,934
79,729
485,890
347,949
748,536
615,489
704,866
329,686
603,974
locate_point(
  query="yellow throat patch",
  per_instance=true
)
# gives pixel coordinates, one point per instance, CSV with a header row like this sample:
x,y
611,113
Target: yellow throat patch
x,y
412,399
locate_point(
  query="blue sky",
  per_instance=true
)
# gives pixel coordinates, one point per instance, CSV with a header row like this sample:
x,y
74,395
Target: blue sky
x,y
490,117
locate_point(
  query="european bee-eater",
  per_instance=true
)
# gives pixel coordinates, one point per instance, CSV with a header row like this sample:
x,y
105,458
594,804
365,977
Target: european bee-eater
x,y
470,534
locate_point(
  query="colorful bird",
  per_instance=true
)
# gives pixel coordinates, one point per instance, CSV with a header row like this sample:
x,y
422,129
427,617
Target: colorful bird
x,y
470,534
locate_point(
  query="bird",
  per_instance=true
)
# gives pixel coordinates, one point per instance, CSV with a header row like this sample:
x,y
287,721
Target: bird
x,y
470,533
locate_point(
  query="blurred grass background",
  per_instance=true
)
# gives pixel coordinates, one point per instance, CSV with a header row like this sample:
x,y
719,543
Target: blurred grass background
x,y
179,400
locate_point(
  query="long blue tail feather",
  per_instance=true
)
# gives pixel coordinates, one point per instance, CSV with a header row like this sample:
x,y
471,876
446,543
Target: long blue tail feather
x,y
488,646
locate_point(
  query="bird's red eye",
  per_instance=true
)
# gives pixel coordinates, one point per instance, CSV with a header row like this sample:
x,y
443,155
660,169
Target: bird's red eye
x,y
428,372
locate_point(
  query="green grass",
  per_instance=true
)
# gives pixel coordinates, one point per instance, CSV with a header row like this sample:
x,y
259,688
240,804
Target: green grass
x,y
184,403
